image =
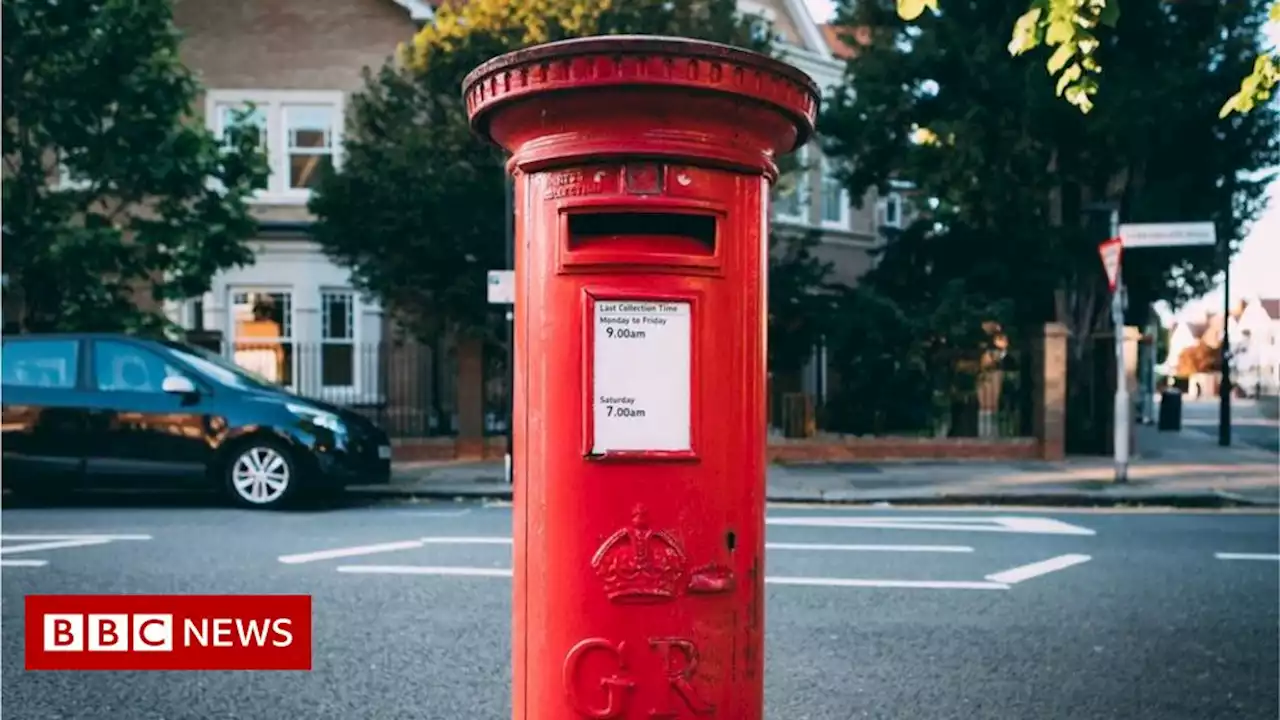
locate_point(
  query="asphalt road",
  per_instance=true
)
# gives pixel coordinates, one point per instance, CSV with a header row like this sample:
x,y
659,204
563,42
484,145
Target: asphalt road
x,y
1248,427
1133,617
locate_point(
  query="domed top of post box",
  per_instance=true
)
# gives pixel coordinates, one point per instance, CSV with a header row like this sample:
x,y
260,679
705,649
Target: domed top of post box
x,y
669,79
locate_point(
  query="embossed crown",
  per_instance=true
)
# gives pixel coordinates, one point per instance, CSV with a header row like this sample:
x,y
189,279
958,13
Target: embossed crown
x,y
640,565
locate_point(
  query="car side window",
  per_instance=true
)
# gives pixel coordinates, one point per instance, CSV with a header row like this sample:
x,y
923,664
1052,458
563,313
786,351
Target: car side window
x,y
40,363
125,367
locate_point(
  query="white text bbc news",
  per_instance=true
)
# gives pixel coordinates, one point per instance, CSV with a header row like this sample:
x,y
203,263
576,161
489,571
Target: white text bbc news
x,y
141,632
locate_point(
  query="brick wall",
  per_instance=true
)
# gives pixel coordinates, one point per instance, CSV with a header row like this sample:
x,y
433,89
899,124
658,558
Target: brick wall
x,y
289,44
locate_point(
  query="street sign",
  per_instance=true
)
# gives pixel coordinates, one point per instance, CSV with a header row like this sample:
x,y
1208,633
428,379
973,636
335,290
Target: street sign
x,y
1110,252
1137,235
502,287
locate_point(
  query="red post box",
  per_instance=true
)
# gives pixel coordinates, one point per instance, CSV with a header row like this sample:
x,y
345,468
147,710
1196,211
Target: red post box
x,y
642,168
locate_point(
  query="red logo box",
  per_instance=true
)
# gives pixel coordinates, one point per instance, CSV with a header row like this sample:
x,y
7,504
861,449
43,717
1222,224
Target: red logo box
x,y
168,632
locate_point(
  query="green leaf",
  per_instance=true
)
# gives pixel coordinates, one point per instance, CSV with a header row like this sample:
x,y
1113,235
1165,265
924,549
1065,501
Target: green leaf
x,y
1026,32
1060,57
1059,31
911,9
1069,76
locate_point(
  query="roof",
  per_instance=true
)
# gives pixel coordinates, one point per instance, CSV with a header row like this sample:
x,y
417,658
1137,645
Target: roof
x,y
835,35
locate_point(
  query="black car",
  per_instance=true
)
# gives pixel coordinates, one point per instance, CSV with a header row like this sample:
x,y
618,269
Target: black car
x,y
114,411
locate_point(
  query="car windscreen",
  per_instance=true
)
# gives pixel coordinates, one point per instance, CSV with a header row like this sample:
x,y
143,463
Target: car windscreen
x,y
221,370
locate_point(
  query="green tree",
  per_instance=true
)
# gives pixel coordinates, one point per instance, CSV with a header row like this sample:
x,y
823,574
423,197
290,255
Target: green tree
x,y
1009,179
1071,28
417,209
1007,173
94,89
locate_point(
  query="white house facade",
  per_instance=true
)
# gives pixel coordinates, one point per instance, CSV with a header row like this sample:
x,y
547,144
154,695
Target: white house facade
x,y
1256,364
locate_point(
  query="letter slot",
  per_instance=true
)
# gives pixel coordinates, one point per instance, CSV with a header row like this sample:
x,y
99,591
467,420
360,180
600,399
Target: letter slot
x,y
657,239
663,233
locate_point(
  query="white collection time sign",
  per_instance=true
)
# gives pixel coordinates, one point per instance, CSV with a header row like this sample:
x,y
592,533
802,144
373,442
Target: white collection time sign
x,y
642,360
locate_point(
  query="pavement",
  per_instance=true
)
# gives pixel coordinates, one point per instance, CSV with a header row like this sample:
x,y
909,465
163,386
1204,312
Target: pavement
x,y
964,613
1181,469
1251,425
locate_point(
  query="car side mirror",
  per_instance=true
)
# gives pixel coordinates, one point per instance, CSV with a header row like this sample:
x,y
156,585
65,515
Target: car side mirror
x,y
178,385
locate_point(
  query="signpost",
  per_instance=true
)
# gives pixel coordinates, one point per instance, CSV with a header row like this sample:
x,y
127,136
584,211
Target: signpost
x,y
502,287
1191,234
502,291
1140,235
1111,251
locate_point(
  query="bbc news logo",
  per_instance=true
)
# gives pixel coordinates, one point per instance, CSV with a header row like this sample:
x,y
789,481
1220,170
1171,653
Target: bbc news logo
x,y
168,632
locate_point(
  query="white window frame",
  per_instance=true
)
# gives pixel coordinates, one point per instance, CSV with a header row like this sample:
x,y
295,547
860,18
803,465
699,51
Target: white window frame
x,y
894,199
843,222
290,338
804,192
354,391
274,105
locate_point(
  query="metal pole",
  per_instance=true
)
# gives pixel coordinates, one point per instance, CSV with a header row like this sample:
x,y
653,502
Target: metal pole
x,y
510,242
1224,392
1148,370
1121,414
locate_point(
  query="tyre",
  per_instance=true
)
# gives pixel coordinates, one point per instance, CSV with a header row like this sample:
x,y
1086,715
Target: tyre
x,y
262,474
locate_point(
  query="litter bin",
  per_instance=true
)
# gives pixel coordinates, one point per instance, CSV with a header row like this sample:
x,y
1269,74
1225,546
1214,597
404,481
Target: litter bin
x,y
1170,409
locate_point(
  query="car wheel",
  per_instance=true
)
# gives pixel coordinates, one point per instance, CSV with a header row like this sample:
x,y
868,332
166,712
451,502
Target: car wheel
x,y
262,474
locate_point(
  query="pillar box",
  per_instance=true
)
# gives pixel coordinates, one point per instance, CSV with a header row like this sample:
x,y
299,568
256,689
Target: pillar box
x,y
642,172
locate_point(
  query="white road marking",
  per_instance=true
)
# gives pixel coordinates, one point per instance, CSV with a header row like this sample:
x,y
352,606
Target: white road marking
x,y
870,548
920,584
48,541
425,570
805,581
1002,524
350,551
1036,569
500,540
23,563
107,536
432,513
1246,556
52,545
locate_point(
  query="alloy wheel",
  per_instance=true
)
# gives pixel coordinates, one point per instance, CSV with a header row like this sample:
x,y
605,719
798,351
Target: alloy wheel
x,y
260,475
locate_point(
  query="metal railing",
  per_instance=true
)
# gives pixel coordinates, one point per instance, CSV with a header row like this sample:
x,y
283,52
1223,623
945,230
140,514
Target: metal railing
x,y
408,388
953,394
